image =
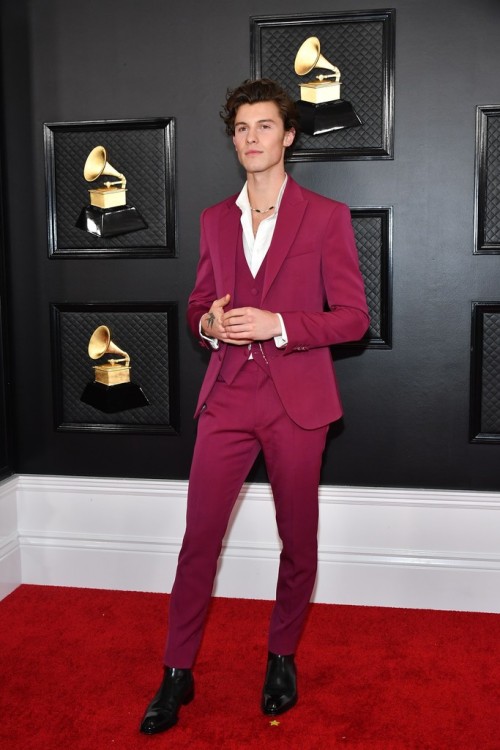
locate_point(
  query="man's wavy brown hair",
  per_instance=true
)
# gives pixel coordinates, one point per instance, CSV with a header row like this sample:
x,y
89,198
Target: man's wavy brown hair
x,y
260,90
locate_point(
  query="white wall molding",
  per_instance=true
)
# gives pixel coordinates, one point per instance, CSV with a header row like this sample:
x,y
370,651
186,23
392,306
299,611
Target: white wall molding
x,y
377,546
10,555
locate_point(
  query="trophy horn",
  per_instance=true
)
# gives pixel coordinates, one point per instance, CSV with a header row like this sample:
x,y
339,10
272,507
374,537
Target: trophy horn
x,y
97,164
100,344
309,57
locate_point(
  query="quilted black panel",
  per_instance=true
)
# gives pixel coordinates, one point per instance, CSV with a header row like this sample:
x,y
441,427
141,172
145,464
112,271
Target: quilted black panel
x,y
372,232
490,392
492,212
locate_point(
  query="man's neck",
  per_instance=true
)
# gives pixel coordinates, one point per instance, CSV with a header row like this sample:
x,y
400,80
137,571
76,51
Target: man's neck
x,y
264,187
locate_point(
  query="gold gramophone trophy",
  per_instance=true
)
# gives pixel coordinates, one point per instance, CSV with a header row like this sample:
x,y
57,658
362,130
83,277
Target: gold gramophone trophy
x,y
108,214
111,390
321,107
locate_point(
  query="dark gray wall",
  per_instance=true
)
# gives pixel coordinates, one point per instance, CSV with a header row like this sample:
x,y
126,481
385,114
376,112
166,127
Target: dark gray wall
x,y
6,432
6,411
407,409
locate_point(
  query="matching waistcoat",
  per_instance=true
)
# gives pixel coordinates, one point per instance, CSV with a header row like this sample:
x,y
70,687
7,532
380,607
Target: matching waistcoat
x,y
247,293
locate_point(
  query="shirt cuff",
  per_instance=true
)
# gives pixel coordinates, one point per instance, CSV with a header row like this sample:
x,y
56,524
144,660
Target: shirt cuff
x,y
214,343
282,340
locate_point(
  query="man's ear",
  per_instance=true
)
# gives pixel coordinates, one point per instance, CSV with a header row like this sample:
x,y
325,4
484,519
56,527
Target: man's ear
x,y
289,137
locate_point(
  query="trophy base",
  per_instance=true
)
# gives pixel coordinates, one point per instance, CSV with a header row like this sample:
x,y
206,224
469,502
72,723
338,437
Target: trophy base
x,y
316,119
113,398
109,222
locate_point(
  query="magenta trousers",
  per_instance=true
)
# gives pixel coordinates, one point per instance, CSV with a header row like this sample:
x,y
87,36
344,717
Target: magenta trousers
x,y
239,421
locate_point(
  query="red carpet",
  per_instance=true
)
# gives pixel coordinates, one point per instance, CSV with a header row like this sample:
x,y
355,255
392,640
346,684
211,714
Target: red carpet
x,y
78,666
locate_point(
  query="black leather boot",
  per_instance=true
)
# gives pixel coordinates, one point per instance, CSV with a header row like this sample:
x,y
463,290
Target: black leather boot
x,y
176,690
280,686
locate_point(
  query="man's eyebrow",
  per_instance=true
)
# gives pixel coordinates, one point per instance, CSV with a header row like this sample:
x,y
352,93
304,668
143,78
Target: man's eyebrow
x,y
264,119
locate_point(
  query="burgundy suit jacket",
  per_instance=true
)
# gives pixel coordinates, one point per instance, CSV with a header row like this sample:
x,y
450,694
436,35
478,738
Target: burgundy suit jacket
x,y
311,277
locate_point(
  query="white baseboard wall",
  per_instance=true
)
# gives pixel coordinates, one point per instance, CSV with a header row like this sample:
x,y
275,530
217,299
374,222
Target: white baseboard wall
x,y
377,546
10,552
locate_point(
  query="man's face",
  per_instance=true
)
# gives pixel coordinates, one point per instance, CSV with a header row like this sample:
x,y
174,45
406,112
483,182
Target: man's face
x,y
260,137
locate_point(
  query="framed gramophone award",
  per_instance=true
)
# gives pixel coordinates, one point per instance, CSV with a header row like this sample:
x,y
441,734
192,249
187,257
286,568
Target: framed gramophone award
x,y
115,367
111,188
339,68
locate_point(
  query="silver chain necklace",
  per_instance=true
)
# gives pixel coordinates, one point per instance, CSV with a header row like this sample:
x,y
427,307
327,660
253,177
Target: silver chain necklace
x,y
261,210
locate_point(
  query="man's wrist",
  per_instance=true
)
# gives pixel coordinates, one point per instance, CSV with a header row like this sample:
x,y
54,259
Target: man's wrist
x,y
214,343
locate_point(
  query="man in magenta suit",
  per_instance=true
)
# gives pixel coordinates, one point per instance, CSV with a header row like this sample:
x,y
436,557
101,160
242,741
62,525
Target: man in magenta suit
x,y
277,284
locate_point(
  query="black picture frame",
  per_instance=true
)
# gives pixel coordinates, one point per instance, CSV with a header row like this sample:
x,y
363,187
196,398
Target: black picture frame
x,y
148,332
144,151
484,412
362,45
487,181
373,232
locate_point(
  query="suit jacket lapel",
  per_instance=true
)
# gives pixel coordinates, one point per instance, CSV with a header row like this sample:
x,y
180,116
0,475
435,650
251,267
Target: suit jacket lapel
x,y
229,238
290,216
